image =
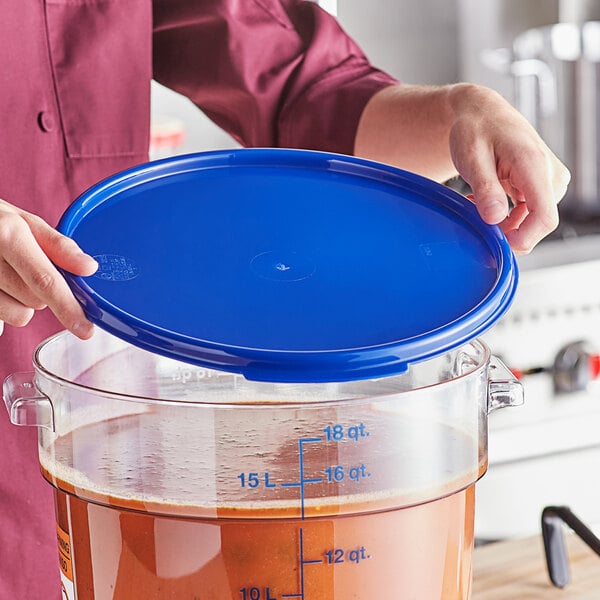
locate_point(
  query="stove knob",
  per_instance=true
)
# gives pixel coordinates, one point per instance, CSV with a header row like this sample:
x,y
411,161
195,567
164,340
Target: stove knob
x,y
575,366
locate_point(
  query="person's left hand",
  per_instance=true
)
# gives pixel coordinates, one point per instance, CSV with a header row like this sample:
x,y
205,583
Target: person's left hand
x,y
470,130
499,154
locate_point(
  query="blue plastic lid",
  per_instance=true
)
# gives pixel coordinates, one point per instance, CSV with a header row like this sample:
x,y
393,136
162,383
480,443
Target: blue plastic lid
x,y
288,265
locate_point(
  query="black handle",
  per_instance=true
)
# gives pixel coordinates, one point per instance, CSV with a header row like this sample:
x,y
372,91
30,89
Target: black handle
x,y
557,560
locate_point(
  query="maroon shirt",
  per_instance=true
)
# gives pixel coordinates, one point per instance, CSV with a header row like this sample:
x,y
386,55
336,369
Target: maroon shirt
x,y
74,108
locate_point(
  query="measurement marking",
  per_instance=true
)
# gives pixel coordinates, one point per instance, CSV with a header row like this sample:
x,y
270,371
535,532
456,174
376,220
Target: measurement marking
x,y
300,483
302,479
302,563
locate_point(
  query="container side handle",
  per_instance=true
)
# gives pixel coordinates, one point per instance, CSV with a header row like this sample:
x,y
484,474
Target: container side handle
x,y
25,404
504,389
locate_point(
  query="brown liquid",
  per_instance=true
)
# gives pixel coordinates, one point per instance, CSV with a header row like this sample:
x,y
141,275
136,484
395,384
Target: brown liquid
x,y
420,553
132,546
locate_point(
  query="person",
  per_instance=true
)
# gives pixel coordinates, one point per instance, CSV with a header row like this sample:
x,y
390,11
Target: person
x,y
74,107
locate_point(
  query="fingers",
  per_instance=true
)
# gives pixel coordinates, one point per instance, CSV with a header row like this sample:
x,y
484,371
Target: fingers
x,y
13,312
530,226
14,287
535,196
29,280
488,193
516,217
61,250
498,153
540,181
533,178
474,158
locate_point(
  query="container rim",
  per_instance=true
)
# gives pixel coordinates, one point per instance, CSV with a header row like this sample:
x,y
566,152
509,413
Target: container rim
x,y
479,345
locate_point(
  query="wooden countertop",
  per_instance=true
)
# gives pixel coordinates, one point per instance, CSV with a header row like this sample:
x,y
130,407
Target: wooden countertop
x,y
516,570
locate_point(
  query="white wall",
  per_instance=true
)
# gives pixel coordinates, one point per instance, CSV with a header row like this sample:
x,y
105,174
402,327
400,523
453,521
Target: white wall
x,y
414,40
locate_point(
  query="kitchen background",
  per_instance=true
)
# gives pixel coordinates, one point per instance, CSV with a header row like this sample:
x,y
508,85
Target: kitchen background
x,y
548,451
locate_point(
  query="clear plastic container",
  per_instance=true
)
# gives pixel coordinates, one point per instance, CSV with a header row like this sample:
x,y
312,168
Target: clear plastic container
x,y
174,481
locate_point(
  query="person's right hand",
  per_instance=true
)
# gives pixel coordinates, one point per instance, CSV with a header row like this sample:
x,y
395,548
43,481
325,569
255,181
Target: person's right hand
x,y
29,281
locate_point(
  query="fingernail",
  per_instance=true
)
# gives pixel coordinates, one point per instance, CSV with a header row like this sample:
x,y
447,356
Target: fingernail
x,y
92,264
83,329
494,210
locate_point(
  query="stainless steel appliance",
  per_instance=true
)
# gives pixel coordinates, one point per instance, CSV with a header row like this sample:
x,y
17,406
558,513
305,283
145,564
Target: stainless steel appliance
x,y
484,25
547,452
556,73
544,57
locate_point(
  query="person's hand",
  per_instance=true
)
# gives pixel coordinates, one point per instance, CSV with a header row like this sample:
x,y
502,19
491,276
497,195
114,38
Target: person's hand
x,y
499,154
29,281
470,130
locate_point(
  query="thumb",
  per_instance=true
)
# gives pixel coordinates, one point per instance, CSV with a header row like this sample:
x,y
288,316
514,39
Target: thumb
x,y
489,197
477,167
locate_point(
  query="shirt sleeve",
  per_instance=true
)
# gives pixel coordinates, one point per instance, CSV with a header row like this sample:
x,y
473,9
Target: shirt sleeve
x,y
272,73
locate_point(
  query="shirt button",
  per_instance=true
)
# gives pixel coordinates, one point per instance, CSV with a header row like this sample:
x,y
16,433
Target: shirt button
x,y
46,121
